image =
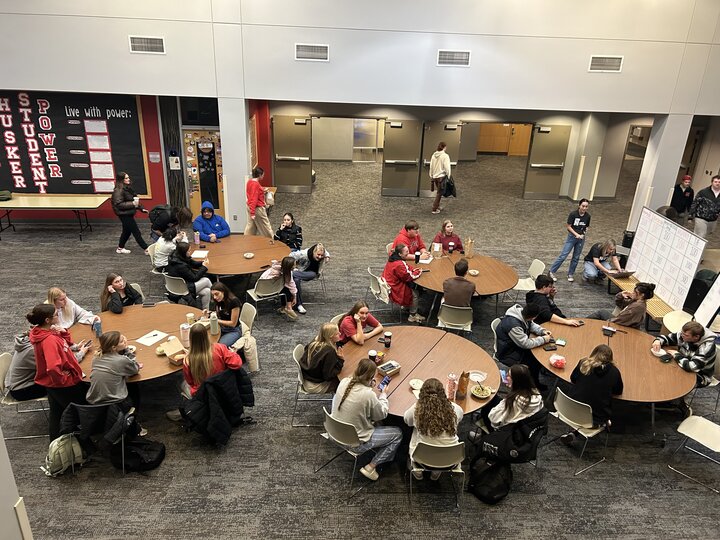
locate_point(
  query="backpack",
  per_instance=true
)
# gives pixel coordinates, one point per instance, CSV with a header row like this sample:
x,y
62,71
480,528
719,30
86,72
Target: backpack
x,y
489,482
140,455
158,211
63,453
516,442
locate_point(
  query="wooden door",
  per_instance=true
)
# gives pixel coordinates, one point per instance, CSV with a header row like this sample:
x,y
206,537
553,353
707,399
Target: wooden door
x,y
520,135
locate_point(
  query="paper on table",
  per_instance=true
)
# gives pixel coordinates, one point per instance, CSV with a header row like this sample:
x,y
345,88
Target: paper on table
x,y
199,254
151,337
426,261
416,393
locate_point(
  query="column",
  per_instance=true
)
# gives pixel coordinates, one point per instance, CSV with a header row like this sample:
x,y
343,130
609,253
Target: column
x,y
589,152
234,140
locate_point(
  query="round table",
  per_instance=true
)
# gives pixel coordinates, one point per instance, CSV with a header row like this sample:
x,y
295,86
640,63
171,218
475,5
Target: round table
x,y
225,258
424,353
134,322
645,378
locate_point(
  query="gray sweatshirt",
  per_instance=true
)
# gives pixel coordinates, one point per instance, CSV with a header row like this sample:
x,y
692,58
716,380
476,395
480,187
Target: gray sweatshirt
x,y
519,337
361,408
107,380
22,367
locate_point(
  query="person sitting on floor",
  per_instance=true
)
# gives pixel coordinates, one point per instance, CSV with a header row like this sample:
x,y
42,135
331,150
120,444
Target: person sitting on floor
x,y
409,236
165,246
696,350
117,294
458,291
354,323
210,225
400,277
447,235
289,233
598,259
289,291
69,313
181,265
310,263
356,403
227,308
434,418
20,378
544,297
322,361
633,305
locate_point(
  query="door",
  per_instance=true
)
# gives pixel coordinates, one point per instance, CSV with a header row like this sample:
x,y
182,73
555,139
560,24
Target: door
x,y
435,132
546,164
520,135
401,158
468,141
292,147
203,158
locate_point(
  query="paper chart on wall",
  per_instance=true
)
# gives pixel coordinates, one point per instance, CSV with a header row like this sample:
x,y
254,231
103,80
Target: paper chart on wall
x,y
709,306
666,254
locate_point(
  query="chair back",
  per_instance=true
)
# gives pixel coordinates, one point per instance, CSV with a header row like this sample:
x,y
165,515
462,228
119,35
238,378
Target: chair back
x,y
138,288
269,287
493,327
248,314
388,249
573,411
455,316
151,252
536,268
341,432
5,359
337,318
297,355
437,456
176,285
380,292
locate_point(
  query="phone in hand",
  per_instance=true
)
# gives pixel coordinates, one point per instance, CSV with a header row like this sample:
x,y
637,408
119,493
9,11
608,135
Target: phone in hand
x,y
581,323
504,376
665,358
384,383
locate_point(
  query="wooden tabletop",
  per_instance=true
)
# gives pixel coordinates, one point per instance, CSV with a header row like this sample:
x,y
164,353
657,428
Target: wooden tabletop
x,y
495,276
424,353
646,379
226,257
656,307
54,202
134,322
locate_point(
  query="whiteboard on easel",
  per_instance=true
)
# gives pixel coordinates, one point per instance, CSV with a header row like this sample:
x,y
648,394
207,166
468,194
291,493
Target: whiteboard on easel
x,y
709,306
666,254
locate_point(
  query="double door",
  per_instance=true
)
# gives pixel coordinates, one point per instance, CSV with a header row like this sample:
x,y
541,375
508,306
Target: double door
x,y
292,159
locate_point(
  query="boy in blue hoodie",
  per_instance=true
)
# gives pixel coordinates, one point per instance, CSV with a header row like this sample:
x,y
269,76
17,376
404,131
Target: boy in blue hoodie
x,y
210,225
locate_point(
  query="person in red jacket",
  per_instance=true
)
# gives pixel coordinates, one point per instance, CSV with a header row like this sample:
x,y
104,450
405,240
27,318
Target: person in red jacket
x,y
400,276
409,235
205,359
257,219
57,357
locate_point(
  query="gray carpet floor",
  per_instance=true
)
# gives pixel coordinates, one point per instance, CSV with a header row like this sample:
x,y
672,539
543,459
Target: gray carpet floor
x,y
262,485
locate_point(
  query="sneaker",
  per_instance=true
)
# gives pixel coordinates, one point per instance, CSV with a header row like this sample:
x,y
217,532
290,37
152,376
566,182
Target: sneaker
x,y
436,211
435,476
570,278
174,415
301,310
585,279
144,431
685,409
552,276
290,314
416,318
122,250
567,439
418,475
371,474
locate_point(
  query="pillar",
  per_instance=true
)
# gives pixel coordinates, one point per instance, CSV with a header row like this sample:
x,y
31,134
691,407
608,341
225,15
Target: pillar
x,y
234,137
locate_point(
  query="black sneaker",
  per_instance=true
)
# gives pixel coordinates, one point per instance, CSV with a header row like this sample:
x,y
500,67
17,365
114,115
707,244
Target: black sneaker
x,y
568,439
685,409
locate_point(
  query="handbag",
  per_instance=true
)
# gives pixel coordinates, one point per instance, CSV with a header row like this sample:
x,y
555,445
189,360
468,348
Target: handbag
x,y
269,198
449,190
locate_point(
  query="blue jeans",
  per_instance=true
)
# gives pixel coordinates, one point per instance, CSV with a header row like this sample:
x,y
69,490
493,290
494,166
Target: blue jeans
x,y
229,336
298,277
385,439
571,243
591,272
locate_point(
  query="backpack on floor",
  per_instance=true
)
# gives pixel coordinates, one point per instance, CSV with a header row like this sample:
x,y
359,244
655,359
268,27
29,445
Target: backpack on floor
x,y
63,453
140,455
489,482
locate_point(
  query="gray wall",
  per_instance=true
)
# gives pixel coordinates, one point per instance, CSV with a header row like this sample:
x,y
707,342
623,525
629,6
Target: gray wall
x,y
10,528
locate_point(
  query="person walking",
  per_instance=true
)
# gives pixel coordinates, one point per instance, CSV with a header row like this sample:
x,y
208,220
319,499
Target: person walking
x,y
439,172
577,225
682,199
125,203
706,208
257,219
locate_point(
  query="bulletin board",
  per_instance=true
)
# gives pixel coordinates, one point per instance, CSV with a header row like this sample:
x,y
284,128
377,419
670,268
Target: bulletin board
x,y
666,254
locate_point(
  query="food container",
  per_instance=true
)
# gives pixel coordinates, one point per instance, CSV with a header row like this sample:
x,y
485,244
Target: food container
x,y
452,386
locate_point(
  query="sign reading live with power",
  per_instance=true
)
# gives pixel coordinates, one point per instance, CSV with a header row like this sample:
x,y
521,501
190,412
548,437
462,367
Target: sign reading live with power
x,y
69,143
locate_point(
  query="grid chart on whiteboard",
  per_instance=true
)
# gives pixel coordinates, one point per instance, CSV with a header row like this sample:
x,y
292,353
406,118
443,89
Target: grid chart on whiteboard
x,y
666,254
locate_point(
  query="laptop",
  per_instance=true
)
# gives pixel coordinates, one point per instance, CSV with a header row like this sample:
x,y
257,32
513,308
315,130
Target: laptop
x,y
622,274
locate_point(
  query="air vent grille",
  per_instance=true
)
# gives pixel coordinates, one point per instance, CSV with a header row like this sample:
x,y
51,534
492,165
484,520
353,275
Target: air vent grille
x,y
606,64
453,58
147,45
312,52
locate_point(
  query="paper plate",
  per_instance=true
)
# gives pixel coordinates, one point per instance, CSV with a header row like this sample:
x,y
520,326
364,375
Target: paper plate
x,y
660,353
248,255
473,272
131,348
478,376
416,384
481,392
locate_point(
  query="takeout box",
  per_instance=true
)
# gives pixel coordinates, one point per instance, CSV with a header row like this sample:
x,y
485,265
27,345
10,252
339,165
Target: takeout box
x,y
175,351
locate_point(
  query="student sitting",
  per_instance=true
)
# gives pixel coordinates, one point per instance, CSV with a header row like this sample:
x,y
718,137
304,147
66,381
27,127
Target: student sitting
x,y
165,246
210,225
161,220
355,403
227,307
289,233
354,323
309,265
205,359
180,264
69,313
633,305
108,379
458,291
400,276
447,235
20,379
544,297
117,294
409,236
696,350
434,418
289,291
322,361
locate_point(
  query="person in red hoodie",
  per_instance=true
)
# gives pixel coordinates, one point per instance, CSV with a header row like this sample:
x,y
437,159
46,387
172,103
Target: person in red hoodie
x,y
409,235
57,359
400,276
257,218
205,359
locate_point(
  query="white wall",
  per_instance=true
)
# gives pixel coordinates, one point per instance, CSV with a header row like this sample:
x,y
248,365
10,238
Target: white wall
x,y
10,528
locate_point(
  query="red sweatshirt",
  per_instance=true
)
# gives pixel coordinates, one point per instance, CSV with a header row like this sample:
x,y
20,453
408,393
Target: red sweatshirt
x,y
223,358
413,244
57,366
255,195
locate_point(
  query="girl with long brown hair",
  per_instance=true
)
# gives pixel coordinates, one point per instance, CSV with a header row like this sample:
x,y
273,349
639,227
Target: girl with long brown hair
x,y
205,359
285,269
356,403
322,361
352,325
117,293
435,419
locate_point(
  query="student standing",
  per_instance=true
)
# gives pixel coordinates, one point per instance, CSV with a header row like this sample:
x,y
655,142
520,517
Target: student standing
x,y
439,173
682,198
577,225
125,203
706,208
257,219
400,276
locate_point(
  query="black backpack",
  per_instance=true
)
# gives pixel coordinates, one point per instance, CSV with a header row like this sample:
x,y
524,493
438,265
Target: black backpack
x,y
450,190
517,442
140,455
489,482
158,211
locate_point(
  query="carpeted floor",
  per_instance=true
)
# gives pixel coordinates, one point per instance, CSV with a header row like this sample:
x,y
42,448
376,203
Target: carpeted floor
x,y
262,484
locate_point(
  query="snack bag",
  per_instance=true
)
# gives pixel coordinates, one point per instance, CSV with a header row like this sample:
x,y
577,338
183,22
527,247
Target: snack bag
x,y
557,361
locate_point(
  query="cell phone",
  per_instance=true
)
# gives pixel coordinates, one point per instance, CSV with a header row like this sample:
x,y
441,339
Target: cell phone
x,y
665,358
425,270
386,380
552,340
381,340
264,266
550,347
148,304
202,246
503,376
581,323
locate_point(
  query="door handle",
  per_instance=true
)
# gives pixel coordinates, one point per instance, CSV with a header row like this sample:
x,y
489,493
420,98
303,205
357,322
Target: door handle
x,y
401,161
547,165
291,158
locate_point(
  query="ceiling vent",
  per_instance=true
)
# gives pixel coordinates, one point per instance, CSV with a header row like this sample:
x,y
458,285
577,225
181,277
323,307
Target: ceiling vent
x,y
606,64
312,52
453,58
147,45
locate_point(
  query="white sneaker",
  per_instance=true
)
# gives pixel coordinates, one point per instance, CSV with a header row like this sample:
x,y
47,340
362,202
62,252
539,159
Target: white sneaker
x,y
552,276
301,310
436,211
122,250
570,278
416,318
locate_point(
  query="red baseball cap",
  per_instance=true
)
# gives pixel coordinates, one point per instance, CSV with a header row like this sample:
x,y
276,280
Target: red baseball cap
x,y
687,177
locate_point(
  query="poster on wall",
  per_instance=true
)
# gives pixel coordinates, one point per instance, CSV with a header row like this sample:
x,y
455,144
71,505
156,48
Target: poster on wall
x,y
61,143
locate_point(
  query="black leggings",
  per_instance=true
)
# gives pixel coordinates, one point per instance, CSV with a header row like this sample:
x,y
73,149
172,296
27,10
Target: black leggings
x,y
129,226
59,399
29,392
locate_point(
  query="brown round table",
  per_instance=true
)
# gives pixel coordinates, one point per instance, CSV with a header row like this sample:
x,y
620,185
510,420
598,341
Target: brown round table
x,y
424,353
225,258
134,322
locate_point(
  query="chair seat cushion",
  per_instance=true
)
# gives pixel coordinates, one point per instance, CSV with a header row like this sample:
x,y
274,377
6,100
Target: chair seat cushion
x,y
701,430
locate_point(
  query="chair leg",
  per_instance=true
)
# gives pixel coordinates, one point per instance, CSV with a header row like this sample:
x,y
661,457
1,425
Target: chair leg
x,y
607,435
317,470
693,479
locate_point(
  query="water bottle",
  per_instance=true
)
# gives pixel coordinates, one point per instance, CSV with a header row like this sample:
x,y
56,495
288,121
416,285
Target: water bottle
x,y
196,238
185,335
214,324
452,385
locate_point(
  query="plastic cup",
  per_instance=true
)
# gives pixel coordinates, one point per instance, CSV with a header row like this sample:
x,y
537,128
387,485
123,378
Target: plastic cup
x,y
417,257
372,355
388,339
451,247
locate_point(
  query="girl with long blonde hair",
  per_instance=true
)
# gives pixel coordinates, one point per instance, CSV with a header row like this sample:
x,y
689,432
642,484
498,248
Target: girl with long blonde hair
x,y
68,312
205,359
322,361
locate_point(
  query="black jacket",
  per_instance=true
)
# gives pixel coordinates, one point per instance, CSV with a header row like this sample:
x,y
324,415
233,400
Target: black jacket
x,y
596,389
188,269
218,405
116,302
122,201
292,237
548,308
110,420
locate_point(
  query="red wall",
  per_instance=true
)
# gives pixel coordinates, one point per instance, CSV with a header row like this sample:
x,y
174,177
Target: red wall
x,y
261,110
151,132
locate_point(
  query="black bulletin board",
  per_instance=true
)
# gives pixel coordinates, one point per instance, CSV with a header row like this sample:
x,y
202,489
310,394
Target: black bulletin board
x,y
61,143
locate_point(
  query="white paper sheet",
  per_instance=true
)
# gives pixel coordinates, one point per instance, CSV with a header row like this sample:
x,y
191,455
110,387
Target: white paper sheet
x,y
426,261
200,254
151,337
